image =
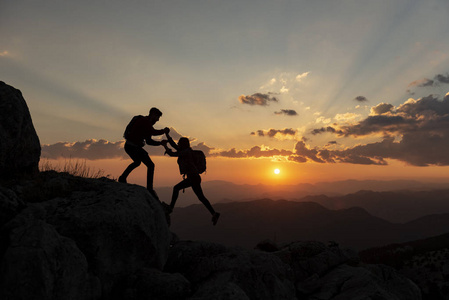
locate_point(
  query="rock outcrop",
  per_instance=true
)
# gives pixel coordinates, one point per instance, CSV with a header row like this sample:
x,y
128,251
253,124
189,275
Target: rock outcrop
x,y
83,242
20,148
219,272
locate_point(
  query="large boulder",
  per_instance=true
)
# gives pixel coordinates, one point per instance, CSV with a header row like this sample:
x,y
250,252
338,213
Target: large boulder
x,y
219,272
330,272
41,264
10,205
363,282
311,257
20,148
95,230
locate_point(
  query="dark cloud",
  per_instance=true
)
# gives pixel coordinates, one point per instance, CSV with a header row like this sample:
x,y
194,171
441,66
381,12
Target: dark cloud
x,y
89,149
423,109
326,129
422,128
422,82
258,133
426,82
442,78
276,132
381,109
377,124
203,147
102,149
257,99
303,153
287,112
254,152
360,99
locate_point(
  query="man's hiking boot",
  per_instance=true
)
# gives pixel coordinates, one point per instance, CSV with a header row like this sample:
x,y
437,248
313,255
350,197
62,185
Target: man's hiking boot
x,y
122,179
215,218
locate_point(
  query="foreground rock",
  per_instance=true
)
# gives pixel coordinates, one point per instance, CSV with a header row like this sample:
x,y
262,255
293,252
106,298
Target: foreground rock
x,y
67,237
19,144
82,242
300,270
219,272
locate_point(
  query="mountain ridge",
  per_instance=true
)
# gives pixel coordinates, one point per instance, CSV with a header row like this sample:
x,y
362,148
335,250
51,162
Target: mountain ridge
x,y
246,223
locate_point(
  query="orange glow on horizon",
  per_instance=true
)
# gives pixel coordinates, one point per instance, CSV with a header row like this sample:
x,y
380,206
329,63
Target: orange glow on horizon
x,y
261,171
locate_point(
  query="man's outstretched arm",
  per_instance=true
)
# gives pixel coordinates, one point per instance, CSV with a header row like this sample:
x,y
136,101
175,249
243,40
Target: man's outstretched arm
x,y
159,131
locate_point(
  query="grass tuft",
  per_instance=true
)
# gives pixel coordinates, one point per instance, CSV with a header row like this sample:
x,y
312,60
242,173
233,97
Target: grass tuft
x,y
75,168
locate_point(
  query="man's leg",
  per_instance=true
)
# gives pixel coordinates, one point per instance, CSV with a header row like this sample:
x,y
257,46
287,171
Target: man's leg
x,y
133,153
150,170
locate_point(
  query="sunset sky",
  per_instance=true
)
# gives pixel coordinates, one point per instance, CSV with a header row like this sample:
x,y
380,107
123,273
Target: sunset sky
x,y
323,90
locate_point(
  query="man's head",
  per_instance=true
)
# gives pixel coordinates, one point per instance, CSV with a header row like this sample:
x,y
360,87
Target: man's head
x,y
155,114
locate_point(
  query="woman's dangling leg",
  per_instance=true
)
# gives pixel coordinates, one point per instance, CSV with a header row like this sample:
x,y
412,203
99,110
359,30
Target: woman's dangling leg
x,y
180,186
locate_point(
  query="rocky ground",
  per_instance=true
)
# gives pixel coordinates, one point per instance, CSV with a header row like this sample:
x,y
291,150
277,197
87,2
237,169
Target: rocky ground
x,y
66,237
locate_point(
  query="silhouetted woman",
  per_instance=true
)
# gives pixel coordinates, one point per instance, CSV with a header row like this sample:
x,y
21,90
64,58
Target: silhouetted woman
x,y
191,176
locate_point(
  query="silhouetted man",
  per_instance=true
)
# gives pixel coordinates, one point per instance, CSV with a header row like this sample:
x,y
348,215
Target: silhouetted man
x,y
139,131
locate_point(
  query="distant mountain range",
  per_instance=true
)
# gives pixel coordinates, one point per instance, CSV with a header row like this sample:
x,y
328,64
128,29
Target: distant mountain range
x,y
246,223
397,201
224,191
394,206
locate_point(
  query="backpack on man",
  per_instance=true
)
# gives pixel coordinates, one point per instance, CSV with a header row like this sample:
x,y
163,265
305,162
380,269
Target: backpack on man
x,y
130,126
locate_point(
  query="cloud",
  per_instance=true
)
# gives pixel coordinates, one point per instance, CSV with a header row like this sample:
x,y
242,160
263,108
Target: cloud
x,y
346,117
300,77
442,78
426,82
254,152
286,133
326,129
4,53
360,99
287,112
89,149
303,153
381,109
257,99
285,82
203,147
416,132
422,82
93,149
323,120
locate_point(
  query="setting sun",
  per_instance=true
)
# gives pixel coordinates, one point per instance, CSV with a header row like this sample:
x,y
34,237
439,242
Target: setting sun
x,y
277,171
